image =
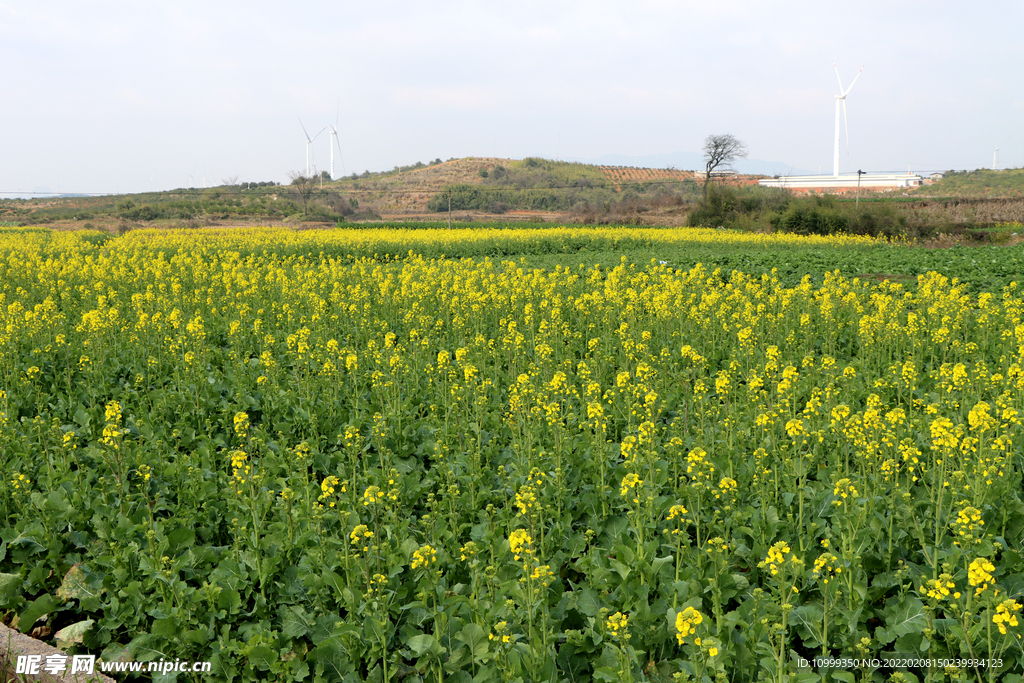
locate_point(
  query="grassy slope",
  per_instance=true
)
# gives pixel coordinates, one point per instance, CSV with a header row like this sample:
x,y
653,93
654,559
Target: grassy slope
x,y
979,183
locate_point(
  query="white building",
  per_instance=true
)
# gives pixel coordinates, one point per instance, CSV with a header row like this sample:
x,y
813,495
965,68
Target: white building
x,y
844,183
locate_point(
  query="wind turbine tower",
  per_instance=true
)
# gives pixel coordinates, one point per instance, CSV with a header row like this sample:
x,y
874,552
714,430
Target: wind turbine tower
x,y
841,97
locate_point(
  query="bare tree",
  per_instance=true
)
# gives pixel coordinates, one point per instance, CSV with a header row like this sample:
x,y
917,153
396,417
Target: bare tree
x,y
302,186
229,181
720,150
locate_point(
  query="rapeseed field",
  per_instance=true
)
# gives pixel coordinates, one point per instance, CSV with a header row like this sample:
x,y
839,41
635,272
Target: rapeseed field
x,y
392,455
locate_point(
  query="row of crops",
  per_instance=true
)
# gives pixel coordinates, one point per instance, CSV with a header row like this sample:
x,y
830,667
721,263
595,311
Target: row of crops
x,y
302,457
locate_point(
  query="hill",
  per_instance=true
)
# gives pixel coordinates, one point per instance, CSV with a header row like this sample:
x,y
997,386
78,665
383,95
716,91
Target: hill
x,y
473,188
502,186
975,184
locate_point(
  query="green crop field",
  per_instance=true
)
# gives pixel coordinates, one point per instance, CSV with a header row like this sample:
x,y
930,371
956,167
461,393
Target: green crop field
x,y
562,454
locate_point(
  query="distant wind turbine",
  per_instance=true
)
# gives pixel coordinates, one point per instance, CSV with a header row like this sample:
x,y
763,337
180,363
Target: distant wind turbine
x,y
309,144
995,155
841,97
336,143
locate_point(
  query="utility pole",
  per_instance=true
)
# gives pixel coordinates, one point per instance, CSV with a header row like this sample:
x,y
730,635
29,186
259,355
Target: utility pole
x,y
859,174
449,209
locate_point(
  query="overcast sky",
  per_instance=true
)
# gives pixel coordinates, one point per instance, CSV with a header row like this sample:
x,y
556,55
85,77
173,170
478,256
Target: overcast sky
x,y
136,96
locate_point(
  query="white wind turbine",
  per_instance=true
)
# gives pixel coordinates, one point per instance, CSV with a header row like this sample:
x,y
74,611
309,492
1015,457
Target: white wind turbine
x,y
995,155
309,144
841,97
336,143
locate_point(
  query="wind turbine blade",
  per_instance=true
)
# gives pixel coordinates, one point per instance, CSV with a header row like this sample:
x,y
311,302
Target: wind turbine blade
x,y
321,131
304,130
837,77
854,81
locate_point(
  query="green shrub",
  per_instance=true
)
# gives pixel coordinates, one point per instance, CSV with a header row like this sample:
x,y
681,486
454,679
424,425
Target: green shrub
x,y
810,220
128,210
719,208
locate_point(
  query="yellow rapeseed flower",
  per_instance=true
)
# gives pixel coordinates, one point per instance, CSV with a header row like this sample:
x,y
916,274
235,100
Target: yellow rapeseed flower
x,y
979,575
617,625
844,490
776,558
520,543
825,567
676,512
687,622
327,487
241,421
423,556
360,535
1006,615
938,589
372,495
630,482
